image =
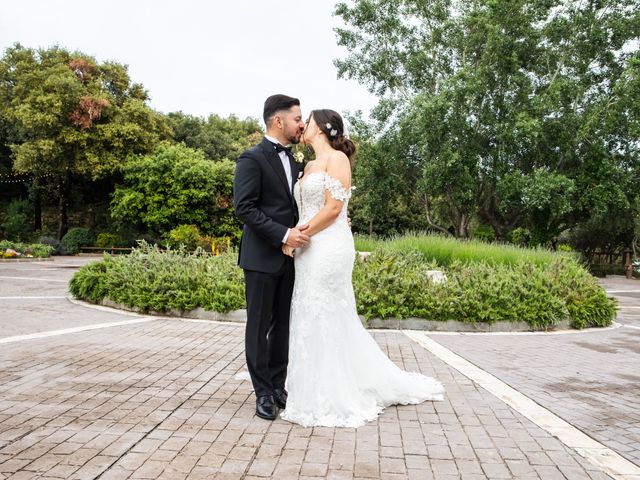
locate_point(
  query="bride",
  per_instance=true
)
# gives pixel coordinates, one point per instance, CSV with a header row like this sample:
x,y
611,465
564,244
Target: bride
x,y
337,375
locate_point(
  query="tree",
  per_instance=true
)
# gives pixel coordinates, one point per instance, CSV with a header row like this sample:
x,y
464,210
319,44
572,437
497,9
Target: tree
x,y
176,185
521,112
217,137
382,200
72,117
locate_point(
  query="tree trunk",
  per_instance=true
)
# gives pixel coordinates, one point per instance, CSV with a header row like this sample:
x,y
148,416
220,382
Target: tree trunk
x,y
459,219
430,221
63,205
462,225
501,226
37,206
370,227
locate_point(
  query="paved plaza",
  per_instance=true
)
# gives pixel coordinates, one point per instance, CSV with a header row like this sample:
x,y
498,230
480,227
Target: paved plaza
x,y
90,392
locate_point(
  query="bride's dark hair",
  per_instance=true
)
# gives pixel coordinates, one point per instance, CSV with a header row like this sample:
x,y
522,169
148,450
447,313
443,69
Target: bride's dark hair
x,y
330,122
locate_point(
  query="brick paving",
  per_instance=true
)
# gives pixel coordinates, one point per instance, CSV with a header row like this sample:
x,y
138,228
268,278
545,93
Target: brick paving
x,y
591,380
160,400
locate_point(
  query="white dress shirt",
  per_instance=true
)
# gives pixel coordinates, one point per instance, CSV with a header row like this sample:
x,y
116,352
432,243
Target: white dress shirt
x,y
284,158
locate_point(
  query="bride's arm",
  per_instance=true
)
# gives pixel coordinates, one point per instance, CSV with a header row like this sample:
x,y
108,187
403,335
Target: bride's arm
x,y
338,168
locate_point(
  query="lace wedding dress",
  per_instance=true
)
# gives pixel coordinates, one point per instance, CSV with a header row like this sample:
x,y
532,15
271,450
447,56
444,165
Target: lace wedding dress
x,y
337,376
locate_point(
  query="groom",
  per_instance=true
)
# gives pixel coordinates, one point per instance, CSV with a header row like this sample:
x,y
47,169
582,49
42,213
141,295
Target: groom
x,y
264,203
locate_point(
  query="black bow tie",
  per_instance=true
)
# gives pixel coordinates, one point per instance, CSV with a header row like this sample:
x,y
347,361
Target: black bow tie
x,y
281,148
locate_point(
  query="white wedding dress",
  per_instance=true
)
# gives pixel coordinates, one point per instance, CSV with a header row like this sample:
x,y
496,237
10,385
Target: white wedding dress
x,y
337,376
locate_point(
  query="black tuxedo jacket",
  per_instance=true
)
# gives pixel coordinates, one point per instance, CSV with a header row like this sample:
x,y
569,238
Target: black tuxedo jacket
x,y
265,205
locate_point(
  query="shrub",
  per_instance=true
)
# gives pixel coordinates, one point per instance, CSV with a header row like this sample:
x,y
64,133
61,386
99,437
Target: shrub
x,y
151,279
187,235
90,283
215,245
35,250
520,236
17,220
106,240
174,186
53,243
39,250
484,233
388,284
75,238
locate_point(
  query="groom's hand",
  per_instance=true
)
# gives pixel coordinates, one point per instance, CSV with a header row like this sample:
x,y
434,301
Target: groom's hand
x,y
297,238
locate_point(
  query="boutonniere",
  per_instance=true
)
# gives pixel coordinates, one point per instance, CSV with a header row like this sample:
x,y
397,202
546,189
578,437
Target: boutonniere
x,y
298,157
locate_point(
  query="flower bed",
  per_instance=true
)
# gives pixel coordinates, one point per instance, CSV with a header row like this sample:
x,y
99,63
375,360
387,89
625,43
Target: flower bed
x,y
18,250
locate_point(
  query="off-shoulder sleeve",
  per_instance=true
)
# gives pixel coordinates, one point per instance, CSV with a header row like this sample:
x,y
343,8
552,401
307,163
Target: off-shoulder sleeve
x,y
334,186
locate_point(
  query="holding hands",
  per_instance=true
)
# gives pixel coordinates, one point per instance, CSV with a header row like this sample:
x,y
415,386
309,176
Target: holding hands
x,y
295,239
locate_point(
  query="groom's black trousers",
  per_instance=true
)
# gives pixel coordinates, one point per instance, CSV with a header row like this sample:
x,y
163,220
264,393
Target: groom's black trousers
x,y
267,332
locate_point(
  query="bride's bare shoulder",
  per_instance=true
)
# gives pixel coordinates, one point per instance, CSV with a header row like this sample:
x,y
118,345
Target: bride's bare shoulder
x,y
338,158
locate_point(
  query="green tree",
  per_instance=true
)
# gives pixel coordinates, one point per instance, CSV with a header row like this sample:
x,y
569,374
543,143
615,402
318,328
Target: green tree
x,y
176,185
217,137
382,201
72,117
15,221
522,112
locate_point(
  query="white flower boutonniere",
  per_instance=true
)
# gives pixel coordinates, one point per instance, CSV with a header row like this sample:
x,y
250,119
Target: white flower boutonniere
x,y
298,157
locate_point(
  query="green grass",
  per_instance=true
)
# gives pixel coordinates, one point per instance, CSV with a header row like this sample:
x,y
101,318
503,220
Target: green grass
x,y
445,250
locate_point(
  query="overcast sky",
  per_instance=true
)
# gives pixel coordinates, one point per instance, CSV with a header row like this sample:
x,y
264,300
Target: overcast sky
x,y
200,56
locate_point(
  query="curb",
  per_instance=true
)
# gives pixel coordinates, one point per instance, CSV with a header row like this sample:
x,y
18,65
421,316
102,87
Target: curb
x,y
25,260
237,316
449,327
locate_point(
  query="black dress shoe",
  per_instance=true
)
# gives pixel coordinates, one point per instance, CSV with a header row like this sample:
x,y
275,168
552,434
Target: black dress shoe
x,y
280,397
265,408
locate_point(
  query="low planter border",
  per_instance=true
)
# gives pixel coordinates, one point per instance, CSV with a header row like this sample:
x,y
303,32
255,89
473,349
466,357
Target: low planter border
x,y
239,316
34,259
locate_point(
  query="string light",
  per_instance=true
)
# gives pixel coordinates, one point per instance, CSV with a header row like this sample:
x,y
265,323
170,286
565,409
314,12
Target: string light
x,y
18,174
11,177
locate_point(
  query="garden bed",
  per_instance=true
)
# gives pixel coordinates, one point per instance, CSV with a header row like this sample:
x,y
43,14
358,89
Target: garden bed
x,y
390,284
14,251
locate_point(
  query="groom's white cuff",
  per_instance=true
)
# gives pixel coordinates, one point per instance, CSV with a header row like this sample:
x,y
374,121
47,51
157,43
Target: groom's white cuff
x,y
286,235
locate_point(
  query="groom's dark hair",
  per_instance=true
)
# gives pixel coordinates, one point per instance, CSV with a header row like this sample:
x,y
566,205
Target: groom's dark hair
x,y
277,103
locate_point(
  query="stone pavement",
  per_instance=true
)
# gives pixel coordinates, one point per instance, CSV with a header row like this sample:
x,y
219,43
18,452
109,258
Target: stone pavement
x,y
159,399
591,380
